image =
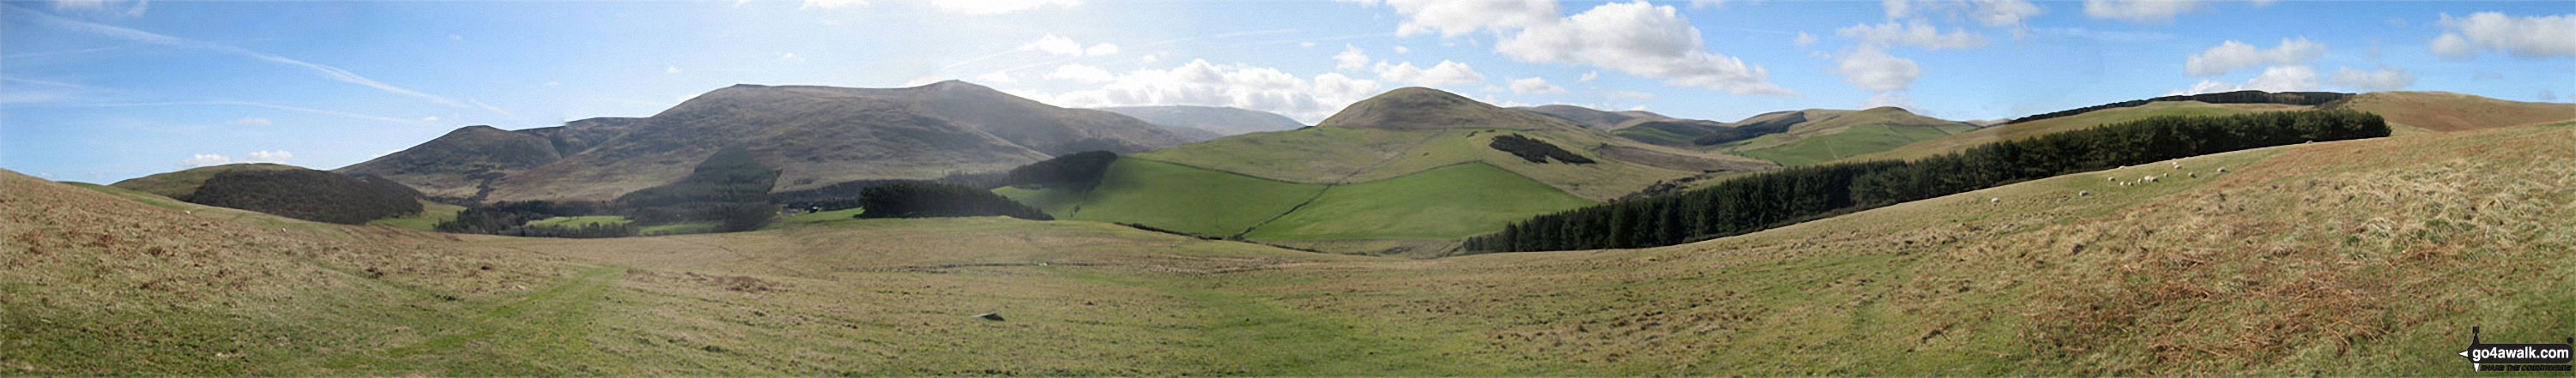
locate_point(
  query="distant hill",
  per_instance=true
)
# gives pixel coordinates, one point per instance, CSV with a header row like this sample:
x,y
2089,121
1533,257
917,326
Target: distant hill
x,y
1410,164
2236,97
461,163
1215,121
184,183
1813,136
1595,118
284,190
2406,112
814,136
1418,108
2446,111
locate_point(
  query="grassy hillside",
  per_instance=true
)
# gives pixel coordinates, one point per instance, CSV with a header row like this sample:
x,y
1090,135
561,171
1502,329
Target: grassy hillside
x,y
1174,197
2446,111
1851,141
1442,203
1964,140
184,183
2356,258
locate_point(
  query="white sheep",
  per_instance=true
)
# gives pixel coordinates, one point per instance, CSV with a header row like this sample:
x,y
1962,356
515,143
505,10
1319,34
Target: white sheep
x,y
1994,200
2193,174
2087,193
2222,169
2148,179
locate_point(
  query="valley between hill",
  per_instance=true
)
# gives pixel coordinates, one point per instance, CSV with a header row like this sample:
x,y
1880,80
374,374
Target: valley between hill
x,y
2366,257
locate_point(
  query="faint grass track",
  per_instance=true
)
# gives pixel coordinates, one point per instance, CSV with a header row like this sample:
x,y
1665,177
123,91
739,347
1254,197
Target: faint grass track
x,y
501,336
1253,337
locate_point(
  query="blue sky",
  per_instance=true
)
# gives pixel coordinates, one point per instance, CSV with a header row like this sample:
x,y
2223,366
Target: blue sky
x,y
104,90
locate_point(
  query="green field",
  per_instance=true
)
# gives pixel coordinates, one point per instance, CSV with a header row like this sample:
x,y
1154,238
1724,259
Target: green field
x,y
1658,133
1175,197
1440,203
431,214
580,221
2349,258
1853,141
1444,203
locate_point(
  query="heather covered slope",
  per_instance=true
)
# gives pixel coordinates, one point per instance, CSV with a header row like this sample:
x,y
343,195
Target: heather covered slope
x,y
2446,111
1594,118
457,165
815,137
184,183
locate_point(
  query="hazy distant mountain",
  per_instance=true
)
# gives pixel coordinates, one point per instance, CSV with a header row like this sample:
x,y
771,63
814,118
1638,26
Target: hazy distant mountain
x,y
813,135
1217,121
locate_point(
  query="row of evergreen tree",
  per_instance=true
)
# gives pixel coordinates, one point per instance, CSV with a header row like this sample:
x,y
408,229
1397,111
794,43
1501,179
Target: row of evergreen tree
x,y
1773,199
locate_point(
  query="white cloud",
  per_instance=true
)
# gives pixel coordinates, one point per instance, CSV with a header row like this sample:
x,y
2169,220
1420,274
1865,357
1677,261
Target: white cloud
x,y
554,83
671,69
1403,50
831,4
790,57
1637,38
1708,3
1452,18
1060,46
1535,85
1351,58
1917,33
2139,11
2230,56
1987,12
1588,76
1804,39
1445,73
2525,37
1874,70
278,156
435,118
989,7
1628,94
1306,44
2273,79
2382,79
1198,82
2453,46
2003,12
248,121
205,160
1081,73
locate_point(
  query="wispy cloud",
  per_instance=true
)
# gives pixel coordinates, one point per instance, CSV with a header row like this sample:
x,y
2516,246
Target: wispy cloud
x,y
333,73
335,113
